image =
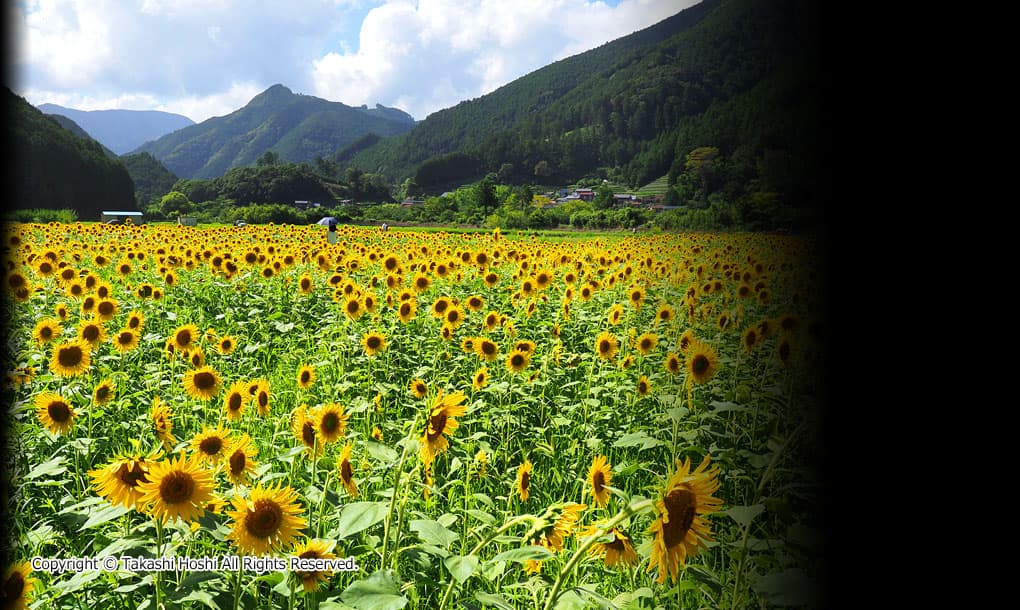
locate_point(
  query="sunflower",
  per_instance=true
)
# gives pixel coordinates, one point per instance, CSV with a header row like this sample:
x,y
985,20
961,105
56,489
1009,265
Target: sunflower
x,y
679,530
487,350
664,314
260,396
517,361
420,282
303,428
528,347
615,313
353,309
305,376
17,586
600,475
453,316
125,340
481,378
606,345
474,302
686,338
118,481
240,465
672,363
313,549
226,345
176,488
524,480
162,421
407,310
196,357
644,386
373,342
702,361
330,422
785,351
492,320
61,311
346,471
54,412
616,548
553,535
103,393
106,308
441,422
92,332
305,284
481,462
269,520
47,330
202,383
750,338
185,337
646,342
377,433
236,400
439,307
211,444
418,388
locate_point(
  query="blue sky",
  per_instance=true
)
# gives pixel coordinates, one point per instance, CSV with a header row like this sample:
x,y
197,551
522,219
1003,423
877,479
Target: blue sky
x,y
205,58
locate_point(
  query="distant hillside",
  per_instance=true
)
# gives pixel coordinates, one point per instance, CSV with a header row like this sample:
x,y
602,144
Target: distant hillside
x,y
739,76
55,169
76,129
296,127
151,178
122,130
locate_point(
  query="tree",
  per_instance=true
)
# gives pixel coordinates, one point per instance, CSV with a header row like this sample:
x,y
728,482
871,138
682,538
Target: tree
x,y
485,194
173,203
604,197
268,158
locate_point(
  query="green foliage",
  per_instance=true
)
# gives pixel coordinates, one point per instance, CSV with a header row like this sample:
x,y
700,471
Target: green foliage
x,y
41,215
151,178
297,128
54,169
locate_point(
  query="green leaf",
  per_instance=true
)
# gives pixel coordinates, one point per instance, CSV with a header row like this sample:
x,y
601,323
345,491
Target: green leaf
x,y
743,514
631,599
461,568
635,439
525,553
283,327
47,469
433,532
791,587
722,407
482,516
382,453
199,595
359,516
380,591
105,515
493,599
568,600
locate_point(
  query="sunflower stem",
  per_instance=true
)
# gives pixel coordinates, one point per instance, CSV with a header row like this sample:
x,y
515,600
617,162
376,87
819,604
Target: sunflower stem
x,y
628,511
157,581
237,584
482,543
396,485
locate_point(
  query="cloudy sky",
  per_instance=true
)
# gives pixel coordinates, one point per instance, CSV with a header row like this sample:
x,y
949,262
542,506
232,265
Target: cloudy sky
x,y
205,58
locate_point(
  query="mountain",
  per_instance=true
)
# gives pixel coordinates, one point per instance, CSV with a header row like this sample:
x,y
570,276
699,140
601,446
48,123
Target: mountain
x,y
296,127
55,169
122,130
740,76
151,178
76,129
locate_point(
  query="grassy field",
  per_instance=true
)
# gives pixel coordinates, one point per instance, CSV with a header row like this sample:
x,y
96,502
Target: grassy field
x,y
410,419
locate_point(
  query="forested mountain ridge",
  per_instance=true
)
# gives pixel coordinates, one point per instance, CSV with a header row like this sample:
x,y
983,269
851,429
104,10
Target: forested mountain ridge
x,y
55,169
77,130
737,76
122,130
297,128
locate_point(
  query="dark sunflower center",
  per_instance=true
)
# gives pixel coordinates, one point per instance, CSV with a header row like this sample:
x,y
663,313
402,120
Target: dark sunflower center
x,y
419,389
70,356
184,337
106,308
598,481
646,344
700,364
226,345
176,487
205,380
617,544
373,342
525,480
673,365
77,290
46,332
13,588
330,423
488,348
263,399
238,460
441,306
131,475
58,411
750,339
437,423
605,346
405,309
517,360
211,445
306,284
306,377
681,505
125,338
90,332
643,387
346,471
308,434
265,520
452,316
234,402
102,392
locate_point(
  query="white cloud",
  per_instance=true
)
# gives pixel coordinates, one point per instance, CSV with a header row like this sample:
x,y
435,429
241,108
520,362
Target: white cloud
x,y
433,54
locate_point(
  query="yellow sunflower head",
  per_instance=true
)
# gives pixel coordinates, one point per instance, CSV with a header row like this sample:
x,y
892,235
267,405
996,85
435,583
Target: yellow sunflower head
x,y
702,361
481,378
71,358
600,475
267,521
373,342
313,549
17,586
47,330
440,424
162,421
177,488
606,345
613,545
103,393
330,422
346,471
517,361
54,412
211,444
235,400
202,383
524,480
185,337
305,376
118,481
418,388
240,460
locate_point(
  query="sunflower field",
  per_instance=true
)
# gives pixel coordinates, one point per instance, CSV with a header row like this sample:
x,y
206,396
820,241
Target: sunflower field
x,y
251,417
